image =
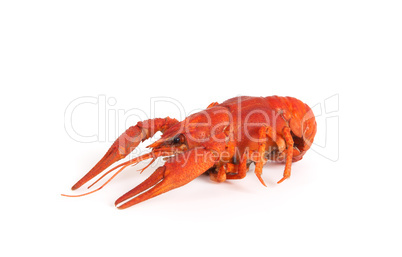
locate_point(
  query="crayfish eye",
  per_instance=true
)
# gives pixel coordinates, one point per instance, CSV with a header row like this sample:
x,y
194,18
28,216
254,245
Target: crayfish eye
x,y
178,139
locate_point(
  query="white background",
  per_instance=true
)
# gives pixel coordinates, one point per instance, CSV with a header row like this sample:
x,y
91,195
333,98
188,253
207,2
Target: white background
x,y
344,197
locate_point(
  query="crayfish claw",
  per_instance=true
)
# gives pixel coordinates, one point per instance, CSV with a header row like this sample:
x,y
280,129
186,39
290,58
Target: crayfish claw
x,y
125,144
175,173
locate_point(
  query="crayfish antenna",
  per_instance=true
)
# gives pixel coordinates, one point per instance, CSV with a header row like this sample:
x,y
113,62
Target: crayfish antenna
x,y
128,163
146,167
122,166
93,191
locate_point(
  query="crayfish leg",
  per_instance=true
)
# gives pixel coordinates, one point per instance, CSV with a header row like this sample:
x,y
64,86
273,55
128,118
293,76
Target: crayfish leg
x,y
268,132
219,176
289,153
261,160
240,169
212,105
230,170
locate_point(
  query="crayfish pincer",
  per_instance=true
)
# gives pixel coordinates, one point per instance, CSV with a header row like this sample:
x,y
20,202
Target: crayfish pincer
x,y
222,141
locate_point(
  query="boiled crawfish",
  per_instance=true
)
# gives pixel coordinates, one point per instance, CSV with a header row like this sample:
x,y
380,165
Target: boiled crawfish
x,y
222,141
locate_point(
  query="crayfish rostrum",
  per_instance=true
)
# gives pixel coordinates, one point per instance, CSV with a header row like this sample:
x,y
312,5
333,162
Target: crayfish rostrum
x,y
222,141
